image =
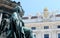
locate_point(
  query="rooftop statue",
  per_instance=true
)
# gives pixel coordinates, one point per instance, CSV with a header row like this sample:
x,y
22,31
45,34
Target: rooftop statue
x,y
11,25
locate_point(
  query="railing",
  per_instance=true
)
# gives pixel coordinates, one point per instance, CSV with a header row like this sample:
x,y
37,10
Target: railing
x,y
38,21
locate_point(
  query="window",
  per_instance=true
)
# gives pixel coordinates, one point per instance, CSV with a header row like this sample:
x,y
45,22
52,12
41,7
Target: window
x,y
46,35
33,28
59,35
46,27
58,26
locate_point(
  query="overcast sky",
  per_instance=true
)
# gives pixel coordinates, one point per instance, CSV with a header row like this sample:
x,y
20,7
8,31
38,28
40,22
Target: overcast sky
x,y
34,6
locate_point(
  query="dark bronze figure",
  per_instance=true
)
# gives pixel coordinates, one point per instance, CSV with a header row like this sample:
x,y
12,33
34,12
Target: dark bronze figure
x,y
11,25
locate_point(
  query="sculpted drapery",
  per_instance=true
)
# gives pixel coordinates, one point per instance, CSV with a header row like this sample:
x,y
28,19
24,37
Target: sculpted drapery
x,y
11,25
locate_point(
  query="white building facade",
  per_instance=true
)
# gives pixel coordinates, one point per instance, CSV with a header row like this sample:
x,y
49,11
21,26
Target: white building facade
x,y
45,25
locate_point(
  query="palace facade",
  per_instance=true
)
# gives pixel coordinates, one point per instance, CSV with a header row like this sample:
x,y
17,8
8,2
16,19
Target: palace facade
x,y
46,25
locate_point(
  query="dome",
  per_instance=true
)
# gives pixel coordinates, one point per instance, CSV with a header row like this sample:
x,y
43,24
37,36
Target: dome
x,y
45,9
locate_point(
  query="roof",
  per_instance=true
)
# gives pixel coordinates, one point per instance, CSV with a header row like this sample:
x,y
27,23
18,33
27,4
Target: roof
x,y
58,15
24,17
34,17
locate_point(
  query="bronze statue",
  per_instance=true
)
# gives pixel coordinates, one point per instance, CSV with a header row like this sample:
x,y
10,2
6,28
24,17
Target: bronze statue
x,y
12,25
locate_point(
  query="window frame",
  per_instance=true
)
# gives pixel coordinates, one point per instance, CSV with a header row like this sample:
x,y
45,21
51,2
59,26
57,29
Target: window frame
x,y
46,27
58,26
58,35
46,35
33,28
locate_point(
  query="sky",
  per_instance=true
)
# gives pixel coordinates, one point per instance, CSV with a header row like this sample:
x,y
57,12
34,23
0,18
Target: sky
x,y
32,7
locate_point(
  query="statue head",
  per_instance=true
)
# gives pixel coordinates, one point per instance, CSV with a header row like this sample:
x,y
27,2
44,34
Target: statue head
x,y
18,3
